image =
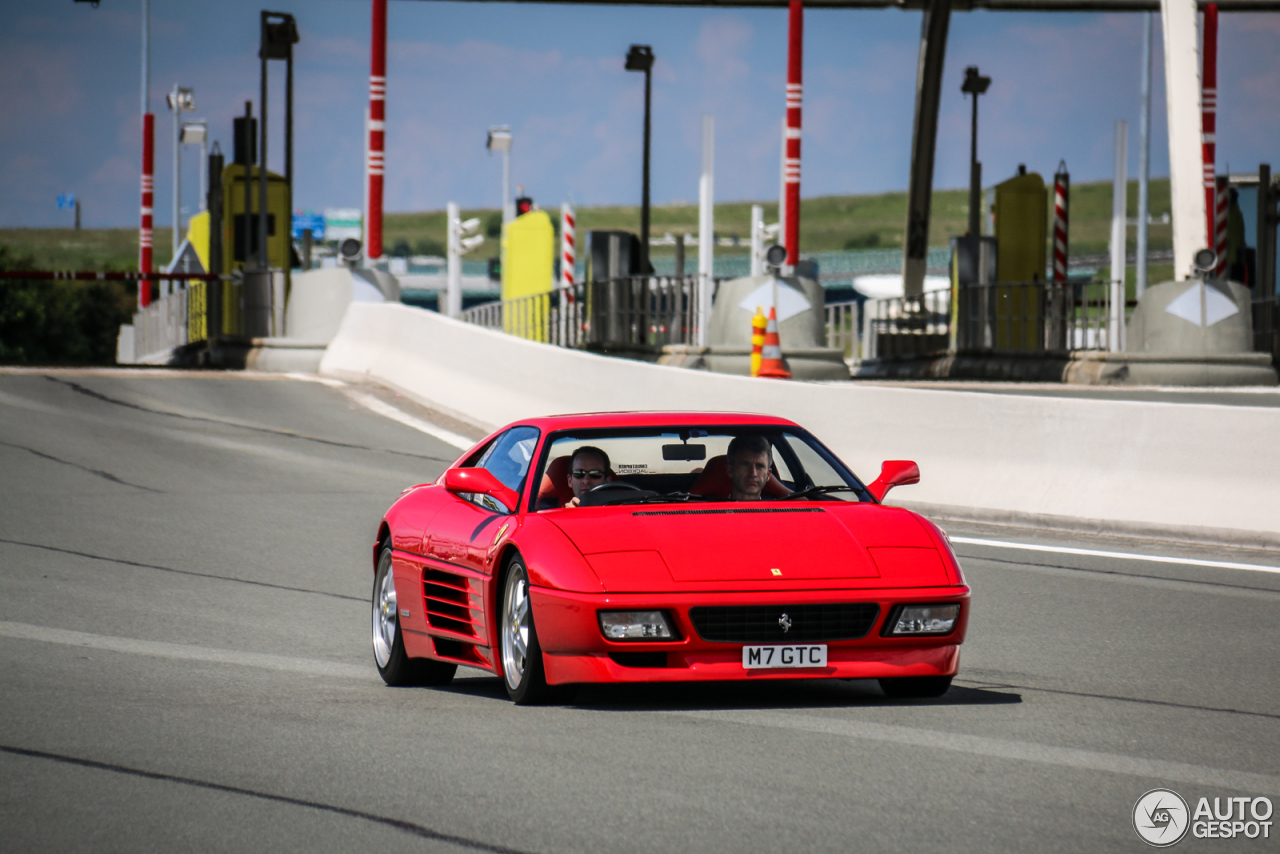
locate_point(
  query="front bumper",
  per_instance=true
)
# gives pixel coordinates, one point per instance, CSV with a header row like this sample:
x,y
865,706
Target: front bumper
x,y
575,651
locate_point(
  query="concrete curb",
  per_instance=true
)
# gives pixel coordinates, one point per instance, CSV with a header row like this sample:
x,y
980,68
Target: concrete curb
x,y
1160,468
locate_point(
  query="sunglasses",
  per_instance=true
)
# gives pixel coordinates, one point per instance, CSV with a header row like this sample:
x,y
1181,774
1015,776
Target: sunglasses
x,y
594,474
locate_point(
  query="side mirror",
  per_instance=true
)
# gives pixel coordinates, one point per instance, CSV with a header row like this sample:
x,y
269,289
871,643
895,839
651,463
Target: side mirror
x,y
893,473
483,482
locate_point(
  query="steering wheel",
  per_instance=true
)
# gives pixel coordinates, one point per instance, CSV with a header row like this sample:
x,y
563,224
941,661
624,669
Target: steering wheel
x,y
600,492
611,486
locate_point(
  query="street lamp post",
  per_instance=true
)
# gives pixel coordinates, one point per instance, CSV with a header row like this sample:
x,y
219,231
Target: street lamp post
x,y
975,85
500,140
640,58
181,100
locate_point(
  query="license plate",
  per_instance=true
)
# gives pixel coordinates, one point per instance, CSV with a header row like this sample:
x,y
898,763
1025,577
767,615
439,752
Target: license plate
x,y
799,655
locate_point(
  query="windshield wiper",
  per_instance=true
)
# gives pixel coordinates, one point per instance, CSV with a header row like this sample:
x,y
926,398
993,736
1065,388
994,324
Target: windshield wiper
x,y
818,490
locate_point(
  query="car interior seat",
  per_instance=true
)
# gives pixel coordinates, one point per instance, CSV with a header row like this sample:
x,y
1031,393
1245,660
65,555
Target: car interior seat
x,y
554,491
716,482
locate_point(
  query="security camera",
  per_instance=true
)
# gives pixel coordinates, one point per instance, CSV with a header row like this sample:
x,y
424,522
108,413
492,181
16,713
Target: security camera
x,y
775,256
1205,261
349,251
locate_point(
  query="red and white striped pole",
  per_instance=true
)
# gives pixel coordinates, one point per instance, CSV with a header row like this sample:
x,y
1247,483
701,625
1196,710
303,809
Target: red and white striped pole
x,y
377,129
1061,201
567,224
148,203
795,89
1221,207
1208,116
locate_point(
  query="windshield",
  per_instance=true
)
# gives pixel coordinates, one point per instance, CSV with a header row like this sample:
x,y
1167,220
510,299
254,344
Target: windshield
x,y
659,465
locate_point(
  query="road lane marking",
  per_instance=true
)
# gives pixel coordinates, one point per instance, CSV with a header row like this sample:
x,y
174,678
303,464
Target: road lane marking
x,y
386,410
999,748
1067,550
312,378
184,652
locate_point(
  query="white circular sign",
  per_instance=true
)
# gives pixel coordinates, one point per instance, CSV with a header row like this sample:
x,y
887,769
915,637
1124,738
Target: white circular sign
x,y
1161,817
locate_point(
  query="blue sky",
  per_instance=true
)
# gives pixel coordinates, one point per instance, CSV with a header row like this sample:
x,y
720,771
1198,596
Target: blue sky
x,y
554,74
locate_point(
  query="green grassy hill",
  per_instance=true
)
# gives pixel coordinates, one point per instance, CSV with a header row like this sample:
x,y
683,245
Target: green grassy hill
x,y
828,223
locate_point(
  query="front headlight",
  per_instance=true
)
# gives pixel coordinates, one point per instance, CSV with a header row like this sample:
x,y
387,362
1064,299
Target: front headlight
x,y
925,620
635,625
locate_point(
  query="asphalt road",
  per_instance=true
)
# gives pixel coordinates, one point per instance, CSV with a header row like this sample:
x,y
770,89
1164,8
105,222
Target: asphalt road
x,y
185,665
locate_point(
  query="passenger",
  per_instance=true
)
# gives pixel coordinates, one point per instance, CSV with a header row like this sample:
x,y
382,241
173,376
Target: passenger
x,y
750,458
588,468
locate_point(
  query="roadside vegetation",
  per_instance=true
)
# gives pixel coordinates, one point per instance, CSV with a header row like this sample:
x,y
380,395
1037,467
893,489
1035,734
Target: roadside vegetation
x,y
59,322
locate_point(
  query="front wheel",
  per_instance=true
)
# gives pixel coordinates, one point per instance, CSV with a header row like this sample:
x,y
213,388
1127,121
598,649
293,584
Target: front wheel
x,y
394,666
522,670
915,687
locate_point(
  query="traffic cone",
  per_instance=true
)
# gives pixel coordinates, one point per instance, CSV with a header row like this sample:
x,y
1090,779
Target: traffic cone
x,y
758,324
771,364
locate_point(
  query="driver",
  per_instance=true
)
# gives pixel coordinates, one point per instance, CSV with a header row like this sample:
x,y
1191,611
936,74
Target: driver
x,y
588,468
750,458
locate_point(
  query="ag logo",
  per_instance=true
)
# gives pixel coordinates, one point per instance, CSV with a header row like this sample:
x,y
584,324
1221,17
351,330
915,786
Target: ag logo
x,y
1160,817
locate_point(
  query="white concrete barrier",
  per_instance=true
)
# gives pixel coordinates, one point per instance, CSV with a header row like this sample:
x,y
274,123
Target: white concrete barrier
x,y
1182,470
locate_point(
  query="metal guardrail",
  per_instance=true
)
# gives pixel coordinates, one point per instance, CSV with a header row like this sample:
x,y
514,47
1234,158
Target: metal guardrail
x,y
1022,317
630,312
842,329
1018,318
207,307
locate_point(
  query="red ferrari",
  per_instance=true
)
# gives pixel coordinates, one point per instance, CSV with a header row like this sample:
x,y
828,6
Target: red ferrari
x,y
663,547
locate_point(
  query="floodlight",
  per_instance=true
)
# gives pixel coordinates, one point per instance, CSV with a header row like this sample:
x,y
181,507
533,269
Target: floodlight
x,y
499,139
974,83
194,133
639,58
182,98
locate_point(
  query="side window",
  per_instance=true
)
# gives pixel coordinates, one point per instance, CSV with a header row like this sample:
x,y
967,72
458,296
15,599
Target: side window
x,y
817,471
780,463
509,457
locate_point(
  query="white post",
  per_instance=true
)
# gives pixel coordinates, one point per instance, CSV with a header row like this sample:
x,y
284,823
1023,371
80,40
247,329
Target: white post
x,y
1144,157
706,227
1186,160
1119,198
453,296
508,205
782,184
177,176
757,240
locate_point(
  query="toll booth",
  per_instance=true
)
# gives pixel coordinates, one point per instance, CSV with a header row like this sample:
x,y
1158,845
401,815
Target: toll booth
x,y
1021,212
614,301
240,232
528,252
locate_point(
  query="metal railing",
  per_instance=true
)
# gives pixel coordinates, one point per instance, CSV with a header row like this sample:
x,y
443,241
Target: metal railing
x,y
630,312
207,308
556,318
1022,317
842,329
1039,317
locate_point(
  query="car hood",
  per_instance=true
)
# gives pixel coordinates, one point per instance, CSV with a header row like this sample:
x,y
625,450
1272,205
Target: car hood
x,y
772,545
